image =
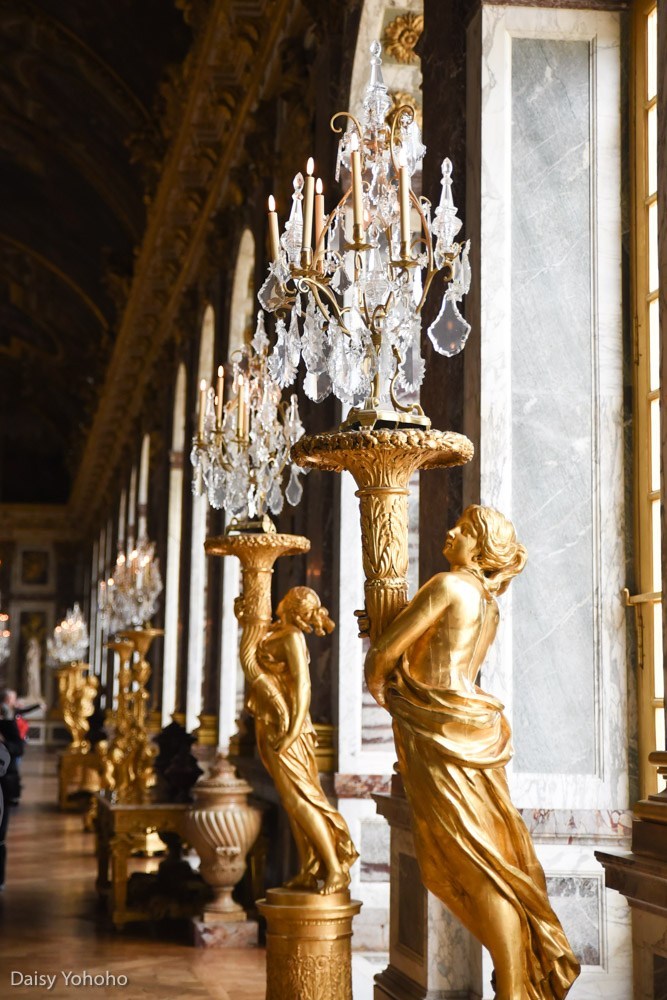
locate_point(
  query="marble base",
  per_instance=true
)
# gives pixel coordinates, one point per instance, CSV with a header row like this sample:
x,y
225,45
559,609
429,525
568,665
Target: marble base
x,y
225,933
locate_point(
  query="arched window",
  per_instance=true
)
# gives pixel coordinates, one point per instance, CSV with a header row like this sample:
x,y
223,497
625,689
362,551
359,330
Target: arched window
x,y
171,611
232,681
243,307
142,495
197,621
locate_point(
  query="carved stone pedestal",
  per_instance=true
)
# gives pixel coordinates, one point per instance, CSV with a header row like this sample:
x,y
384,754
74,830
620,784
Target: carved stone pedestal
x,y
308,953
431,955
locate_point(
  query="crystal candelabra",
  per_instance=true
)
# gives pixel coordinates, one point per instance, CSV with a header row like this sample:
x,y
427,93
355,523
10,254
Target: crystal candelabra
x,y
129,597
70,638
243,446
350,304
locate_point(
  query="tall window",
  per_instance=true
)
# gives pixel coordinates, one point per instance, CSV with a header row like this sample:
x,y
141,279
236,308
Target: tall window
x,y
198,563
172,611
647,391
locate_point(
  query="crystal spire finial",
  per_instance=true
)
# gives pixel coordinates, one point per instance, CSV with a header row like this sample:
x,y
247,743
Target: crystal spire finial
x,y
376,100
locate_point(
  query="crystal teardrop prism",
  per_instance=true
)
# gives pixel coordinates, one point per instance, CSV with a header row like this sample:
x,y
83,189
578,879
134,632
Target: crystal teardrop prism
x,y
449,331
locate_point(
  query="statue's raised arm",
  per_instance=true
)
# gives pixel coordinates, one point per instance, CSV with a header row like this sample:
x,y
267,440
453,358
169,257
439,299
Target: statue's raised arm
x,y
452,742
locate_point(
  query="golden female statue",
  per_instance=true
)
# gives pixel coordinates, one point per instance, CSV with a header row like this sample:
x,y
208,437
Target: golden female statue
x,y
279,699
452,741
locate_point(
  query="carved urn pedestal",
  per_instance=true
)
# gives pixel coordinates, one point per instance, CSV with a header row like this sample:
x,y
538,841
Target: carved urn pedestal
x,y
308,944
222,827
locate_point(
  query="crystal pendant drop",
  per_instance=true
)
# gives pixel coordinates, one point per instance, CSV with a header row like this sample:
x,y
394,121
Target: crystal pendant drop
x,y
448,331
294,490
317,387
281,368
260,341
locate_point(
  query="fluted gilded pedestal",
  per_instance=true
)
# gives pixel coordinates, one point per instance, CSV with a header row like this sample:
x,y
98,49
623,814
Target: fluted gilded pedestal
x,y
382,462
308,944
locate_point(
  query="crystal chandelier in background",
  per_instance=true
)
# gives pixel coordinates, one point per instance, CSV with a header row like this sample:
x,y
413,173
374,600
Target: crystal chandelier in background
x,y
350,304
243,446
129,598
5,637
70,638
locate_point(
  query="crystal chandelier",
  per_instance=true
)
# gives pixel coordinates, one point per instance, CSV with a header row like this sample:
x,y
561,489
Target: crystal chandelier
x,y
243,446
130,596
70,638
350,304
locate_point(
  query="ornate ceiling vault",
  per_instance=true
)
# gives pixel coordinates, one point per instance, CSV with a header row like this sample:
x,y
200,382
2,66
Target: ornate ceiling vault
x,y
209,109
135,139
79,88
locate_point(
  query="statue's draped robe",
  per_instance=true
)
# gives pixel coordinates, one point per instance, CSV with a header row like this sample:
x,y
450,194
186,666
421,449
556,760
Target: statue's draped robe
x,y
269,701
469,838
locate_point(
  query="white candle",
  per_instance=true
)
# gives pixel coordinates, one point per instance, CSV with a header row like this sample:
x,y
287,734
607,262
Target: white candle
x,y
274,232
357,190
240,400
307,239
319,220
404,199
202,406
218,401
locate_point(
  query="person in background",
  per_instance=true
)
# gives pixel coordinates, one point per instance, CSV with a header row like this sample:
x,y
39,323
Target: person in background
x,y
10,783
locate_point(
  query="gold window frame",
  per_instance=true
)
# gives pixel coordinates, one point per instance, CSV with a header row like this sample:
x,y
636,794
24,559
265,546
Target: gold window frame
x,y
646,392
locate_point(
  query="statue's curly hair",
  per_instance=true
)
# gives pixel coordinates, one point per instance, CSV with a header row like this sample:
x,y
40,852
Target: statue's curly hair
x,y
302,607
501,556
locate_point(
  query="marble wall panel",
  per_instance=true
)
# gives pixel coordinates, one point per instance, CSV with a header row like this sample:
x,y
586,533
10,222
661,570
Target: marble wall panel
x,y
552,404
550,391
374,850
577,902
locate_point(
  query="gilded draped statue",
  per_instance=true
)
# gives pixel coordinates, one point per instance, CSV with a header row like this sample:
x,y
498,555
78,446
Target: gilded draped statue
x,y
277,668
452,742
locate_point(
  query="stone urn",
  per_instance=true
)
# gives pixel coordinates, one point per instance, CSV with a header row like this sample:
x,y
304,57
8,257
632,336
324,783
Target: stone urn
x,y
222,828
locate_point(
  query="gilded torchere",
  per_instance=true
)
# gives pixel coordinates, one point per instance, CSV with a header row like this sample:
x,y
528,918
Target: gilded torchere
x,y
310,918
359,299
76,692
127,759
453,741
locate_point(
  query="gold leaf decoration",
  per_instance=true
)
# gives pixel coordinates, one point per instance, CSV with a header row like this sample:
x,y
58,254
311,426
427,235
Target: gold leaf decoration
x,y
400,37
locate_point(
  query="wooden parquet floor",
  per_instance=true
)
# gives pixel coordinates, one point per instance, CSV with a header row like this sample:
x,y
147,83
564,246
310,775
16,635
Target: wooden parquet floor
x,y
50,921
